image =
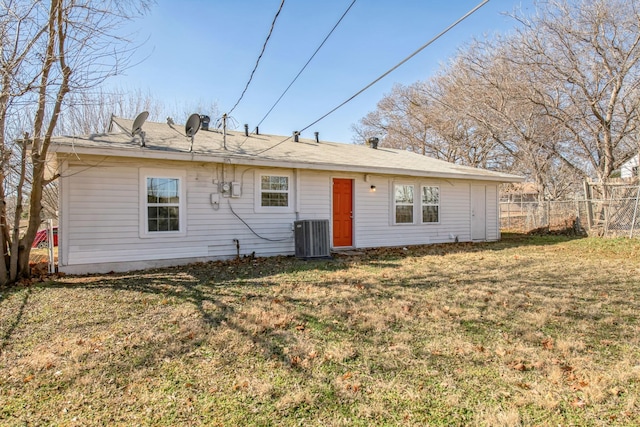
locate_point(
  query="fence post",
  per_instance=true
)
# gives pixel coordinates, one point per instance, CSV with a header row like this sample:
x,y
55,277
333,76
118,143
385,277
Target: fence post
x,y
635,213
50,246
587,198
548,214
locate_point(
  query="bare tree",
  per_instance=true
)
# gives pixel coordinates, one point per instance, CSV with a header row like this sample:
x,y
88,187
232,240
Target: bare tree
x,y
90,112
556,100
494,94
582,60
421,118
47,51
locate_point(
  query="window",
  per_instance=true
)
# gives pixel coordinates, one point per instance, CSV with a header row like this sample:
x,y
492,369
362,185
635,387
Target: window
x,y
162,210
430,204
403,201
274,191
163,204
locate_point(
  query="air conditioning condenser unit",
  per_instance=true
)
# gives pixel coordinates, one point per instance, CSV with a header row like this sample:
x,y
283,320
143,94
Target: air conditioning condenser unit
x,y
312,238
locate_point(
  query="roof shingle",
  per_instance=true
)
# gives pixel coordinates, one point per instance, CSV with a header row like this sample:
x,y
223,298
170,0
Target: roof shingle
x,y
169,142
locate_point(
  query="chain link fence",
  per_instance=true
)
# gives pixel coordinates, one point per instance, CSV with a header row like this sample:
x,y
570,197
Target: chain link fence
x,y
551,216
612,211
617,212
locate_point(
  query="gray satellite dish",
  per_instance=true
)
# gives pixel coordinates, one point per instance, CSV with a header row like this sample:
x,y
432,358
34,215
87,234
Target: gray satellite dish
x,y
138,122
136,129
192,127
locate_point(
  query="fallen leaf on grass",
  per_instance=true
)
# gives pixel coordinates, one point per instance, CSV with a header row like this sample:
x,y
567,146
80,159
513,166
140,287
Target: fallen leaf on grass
x,y
295,360
241,385
518,366
578,403
580,385
566,368
547,343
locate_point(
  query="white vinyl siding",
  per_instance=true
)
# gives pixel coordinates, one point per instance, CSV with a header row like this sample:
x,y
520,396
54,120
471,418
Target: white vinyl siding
x,y
493,213
101,209
629,169
374,224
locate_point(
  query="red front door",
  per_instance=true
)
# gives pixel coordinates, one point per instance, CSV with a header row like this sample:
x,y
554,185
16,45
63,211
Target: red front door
x,y
342,212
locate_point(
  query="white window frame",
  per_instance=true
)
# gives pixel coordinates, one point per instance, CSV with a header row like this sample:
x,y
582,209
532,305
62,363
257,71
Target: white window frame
x,y
423,205
181,176
258,192
395,203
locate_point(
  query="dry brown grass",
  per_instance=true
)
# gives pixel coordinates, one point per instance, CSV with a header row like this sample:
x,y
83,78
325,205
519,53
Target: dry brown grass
x,y
528,331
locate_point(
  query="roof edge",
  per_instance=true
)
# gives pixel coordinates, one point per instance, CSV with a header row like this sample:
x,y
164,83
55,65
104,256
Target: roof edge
x,y
239,160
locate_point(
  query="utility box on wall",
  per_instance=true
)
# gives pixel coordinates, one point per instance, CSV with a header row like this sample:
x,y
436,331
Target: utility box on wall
x,y
312,238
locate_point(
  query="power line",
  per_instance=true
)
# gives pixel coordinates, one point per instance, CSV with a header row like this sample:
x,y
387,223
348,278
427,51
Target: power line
x,y
305,65
264,46
443,32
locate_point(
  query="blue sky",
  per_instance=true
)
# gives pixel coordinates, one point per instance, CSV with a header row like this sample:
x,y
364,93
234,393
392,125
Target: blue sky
x,y
198,52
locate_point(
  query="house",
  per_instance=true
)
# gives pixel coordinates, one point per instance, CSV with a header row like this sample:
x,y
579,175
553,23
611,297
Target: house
x,y
147,196
520,192
629,169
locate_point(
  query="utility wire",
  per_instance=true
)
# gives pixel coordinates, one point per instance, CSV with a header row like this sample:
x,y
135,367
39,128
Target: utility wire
x,y
264,46
305,65
443,32
252,230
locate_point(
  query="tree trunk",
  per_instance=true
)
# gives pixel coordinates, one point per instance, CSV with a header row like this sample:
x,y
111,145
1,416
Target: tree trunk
x,y
15,238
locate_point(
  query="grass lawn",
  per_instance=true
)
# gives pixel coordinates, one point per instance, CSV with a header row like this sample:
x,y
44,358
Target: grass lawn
x,y
527,331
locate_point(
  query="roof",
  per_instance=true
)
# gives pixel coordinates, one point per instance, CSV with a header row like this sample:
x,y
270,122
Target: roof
x,y
163,141
522,188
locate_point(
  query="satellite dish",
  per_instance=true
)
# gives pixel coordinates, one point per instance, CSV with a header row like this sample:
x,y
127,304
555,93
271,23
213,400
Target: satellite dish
x,y
136,129
192,127
138,122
